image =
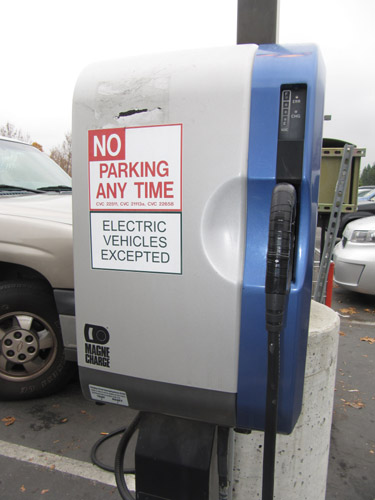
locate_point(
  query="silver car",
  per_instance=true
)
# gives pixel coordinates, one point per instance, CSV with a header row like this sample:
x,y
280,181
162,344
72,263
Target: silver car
x,y
37,334
354,256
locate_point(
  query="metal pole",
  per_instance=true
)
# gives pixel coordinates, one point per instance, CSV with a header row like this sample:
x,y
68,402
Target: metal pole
x,y
333,225
257,21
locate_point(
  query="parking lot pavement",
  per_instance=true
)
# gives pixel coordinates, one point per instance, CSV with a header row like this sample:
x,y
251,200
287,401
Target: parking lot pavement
x,y
45,449
21,480
352,454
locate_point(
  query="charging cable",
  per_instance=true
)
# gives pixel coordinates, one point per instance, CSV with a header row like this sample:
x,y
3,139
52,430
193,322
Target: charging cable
x,y
94,450
118,469
119,459
278,280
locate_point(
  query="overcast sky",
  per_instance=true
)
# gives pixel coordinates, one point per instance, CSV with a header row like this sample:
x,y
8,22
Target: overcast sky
x,y
46,45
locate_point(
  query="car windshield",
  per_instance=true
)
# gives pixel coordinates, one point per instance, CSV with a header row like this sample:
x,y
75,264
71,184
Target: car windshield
x,y
363,192
368,195
24,166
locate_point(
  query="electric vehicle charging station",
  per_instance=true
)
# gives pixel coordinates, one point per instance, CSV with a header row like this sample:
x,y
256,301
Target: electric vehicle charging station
x,y
176,157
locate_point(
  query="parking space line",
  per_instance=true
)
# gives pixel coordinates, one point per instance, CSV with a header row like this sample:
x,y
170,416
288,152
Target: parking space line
x,y
67,465
358,321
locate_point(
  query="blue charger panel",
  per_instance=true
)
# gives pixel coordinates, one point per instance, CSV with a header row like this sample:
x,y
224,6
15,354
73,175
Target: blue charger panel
x,y
273,159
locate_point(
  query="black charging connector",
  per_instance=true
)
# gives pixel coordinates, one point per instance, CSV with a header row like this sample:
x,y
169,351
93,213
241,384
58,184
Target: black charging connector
x,y
278,281
280,253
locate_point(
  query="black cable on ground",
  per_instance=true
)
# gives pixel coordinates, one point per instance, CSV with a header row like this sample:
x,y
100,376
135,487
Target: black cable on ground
x,y
95,460
119,459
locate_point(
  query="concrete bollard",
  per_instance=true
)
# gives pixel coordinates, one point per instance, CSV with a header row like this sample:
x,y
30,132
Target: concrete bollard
x,y
301,457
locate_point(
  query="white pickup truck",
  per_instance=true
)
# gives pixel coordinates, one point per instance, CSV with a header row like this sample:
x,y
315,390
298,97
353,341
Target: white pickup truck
x,y
37,323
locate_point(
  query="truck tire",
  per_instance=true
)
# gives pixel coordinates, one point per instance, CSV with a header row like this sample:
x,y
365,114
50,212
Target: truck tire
x,y
32,362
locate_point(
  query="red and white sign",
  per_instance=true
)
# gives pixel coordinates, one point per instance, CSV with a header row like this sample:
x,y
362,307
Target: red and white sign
x,y
136,169
135,198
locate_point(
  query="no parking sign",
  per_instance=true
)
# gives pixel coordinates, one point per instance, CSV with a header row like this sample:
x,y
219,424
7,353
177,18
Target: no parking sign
x,y
135,198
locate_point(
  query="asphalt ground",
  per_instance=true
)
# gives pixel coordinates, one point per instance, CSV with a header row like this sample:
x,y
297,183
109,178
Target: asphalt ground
x,y
45,443
351,471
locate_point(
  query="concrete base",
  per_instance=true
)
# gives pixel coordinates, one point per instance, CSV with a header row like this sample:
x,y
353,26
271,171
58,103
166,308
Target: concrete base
x,y
302,457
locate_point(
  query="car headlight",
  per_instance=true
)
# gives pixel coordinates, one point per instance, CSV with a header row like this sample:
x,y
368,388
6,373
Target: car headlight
x,y
362,236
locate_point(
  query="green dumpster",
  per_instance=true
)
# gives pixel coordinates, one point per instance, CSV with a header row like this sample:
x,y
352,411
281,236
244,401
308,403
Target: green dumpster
x,y
332,153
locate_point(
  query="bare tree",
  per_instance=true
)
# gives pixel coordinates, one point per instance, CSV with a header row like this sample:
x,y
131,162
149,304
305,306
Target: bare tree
x,y
62,155
9,130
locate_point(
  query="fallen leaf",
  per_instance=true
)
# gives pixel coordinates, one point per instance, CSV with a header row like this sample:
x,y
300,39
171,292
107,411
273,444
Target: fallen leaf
x,y
63,420
23,489
53,467
104,433
8,420
83,412
357,406
44,491
372,451
370,340
342,334
348,310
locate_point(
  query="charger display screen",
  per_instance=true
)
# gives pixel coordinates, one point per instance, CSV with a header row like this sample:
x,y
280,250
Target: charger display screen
x,y
292,114
291,136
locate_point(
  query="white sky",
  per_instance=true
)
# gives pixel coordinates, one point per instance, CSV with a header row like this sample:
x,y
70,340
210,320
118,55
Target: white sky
x,y
46,45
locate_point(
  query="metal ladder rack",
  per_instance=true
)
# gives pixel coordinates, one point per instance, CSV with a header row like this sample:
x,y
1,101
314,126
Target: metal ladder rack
x,y
333,225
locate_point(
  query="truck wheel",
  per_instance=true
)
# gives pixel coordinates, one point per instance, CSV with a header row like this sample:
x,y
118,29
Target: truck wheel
x,y
32,362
